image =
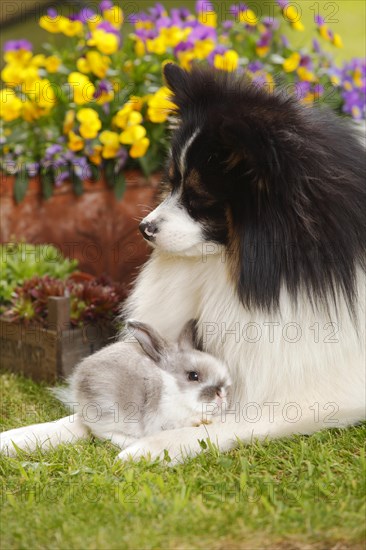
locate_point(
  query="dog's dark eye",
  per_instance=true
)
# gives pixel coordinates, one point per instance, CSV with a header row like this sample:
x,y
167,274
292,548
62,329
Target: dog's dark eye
x,y
193,376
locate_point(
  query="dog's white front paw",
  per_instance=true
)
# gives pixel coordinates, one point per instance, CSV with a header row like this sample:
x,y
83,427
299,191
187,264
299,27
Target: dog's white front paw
x,y
174,446
7,439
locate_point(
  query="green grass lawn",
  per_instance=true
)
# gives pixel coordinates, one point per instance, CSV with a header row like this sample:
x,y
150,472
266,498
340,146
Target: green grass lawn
x,y
303,493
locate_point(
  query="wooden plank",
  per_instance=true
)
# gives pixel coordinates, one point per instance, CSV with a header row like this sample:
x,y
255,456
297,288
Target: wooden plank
x,y
29,350
46,355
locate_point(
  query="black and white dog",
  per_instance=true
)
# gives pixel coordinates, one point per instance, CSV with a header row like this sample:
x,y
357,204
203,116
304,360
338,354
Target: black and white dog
x,y
260,236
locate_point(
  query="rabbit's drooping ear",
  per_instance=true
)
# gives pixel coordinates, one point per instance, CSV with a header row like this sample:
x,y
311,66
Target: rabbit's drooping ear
x,y
150,341
188,337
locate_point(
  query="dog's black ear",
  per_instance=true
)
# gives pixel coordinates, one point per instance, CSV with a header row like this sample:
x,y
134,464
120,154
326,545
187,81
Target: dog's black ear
x,y
175,77
177,80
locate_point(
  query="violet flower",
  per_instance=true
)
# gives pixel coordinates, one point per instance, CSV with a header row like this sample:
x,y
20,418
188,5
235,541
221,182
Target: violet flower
x,y
16,45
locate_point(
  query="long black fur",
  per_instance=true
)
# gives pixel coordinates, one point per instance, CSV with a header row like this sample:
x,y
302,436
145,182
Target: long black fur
x,y
292,177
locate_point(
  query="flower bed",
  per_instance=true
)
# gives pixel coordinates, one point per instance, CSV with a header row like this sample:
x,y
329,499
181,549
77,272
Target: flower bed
x,y
101,104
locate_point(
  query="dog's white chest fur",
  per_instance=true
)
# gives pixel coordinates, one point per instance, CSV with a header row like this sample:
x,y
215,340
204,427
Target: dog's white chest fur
x,y
299,355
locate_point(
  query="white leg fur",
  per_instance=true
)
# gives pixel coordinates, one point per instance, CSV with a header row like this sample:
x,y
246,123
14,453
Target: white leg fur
x,y
44,436
301,359
185,442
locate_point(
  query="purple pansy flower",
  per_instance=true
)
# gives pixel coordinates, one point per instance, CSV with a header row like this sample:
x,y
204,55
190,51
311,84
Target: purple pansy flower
x,y
285,41
108,27
219,50
319,20
236,9
255,66
105,5
16,45
32,168
121,159
228,25
52,13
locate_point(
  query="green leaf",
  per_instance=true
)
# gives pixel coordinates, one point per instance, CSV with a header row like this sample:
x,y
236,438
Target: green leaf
x,y
47,180
109,172
120,185
95,172
20,185
77,184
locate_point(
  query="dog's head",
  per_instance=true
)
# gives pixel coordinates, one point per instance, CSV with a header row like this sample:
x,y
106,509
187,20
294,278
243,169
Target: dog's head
x,y
260,174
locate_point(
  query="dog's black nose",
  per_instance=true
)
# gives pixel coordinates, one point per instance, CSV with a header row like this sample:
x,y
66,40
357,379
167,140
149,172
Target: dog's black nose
x,y
148,230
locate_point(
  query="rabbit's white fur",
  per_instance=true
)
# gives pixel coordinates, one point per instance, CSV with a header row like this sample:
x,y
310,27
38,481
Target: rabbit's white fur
x,y
129,390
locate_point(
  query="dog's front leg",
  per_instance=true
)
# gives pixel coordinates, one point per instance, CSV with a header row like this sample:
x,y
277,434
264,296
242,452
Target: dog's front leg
x,y
187,442
181,443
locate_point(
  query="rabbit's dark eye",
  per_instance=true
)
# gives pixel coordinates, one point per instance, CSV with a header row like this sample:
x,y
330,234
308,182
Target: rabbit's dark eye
x,y
193,376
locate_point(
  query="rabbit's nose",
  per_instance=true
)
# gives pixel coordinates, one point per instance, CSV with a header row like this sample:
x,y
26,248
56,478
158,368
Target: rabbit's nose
x,y
220,392
148,230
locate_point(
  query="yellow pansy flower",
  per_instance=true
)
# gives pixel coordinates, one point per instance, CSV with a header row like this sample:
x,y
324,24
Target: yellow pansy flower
x,y
305,74
137,102
357,77
90,123
68,121
347,86
21,56
144,25
30,111
270,84
203,48
356,112
261,51
94,21
324,32
96,156
105,42
139,47
337,41
38,60
139,148
114,16
159,105
335,80
76,143
208,18
50,24
174,35
52,63
105,97
308,99
186,58
82,88
110,141
134,118
121,118
291,63
227,61
293,16
249,17
42,93
132,134
70,28
94,62
156,45
10,105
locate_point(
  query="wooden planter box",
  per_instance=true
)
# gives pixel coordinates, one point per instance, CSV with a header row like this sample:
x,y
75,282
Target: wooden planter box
x,y
52,353
95,228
